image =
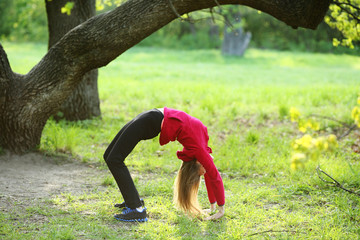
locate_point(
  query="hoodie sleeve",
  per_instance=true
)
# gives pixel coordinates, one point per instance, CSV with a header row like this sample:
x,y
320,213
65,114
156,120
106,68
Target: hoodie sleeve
x,y
213,180
210,192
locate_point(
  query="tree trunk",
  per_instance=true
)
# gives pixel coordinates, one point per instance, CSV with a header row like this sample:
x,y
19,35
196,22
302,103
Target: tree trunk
x,y
27,101
83,103
235,40
20,122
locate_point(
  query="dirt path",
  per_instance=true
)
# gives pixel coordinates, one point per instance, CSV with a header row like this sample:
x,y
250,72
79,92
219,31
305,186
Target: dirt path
x,y
31,177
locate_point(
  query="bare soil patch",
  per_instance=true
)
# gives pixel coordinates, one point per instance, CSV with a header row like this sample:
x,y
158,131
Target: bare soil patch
x,y
25,179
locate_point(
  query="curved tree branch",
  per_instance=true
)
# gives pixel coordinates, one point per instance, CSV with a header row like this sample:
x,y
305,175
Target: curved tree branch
x,y
353,127
101,39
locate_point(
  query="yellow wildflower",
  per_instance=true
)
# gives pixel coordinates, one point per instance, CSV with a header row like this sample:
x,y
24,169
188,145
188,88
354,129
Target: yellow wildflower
x,y
294,114
297,160
332,140
355,113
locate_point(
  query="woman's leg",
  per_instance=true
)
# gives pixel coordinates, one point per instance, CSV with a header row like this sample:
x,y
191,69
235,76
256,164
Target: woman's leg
x,y
111,145
145,126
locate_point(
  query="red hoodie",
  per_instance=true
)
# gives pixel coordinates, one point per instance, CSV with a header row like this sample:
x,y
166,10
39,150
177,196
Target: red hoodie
x,y
193,135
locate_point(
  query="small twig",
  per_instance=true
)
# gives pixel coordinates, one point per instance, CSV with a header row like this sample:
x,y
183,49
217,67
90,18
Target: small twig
x,y
188,19
174,10
330,118
356,18
350,127
269,231
218,4
212,15
223,19
346,4
226,20
348,131
333,182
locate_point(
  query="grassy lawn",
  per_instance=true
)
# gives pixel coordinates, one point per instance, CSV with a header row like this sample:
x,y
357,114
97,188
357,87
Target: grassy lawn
x,y
245,104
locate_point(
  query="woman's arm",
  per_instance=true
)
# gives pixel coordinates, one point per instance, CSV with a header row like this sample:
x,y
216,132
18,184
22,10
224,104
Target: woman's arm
x,y
213,180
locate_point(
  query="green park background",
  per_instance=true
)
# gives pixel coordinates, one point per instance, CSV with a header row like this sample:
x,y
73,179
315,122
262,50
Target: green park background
x,y
246,103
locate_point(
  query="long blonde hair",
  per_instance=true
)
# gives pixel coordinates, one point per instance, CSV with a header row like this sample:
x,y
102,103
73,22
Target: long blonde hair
x,y
186,188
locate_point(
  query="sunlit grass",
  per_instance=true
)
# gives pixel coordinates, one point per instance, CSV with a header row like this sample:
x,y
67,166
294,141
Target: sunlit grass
x,y
245,104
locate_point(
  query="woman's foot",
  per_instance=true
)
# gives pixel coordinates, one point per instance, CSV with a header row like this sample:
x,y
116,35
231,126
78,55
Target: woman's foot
x,y
123,205
132,215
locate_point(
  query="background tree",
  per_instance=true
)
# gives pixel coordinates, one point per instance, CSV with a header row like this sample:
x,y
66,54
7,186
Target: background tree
x,y
27,101
273,34
83,102
24,20
236,40
5,26
345,16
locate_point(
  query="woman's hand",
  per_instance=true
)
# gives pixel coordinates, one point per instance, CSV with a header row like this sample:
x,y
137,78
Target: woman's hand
x,y
217,215
211,210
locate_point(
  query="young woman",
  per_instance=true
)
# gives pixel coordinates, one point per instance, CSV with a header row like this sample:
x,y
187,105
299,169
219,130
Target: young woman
x,y
172,125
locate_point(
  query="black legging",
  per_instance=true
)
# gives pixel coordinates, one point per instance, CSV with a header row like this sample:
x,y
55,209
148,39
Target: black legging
x,y
146,125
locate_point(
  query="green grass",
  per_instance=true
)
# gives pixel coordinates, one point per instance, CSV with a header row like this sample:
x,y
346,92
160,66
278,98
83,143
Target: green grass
x,y
245,104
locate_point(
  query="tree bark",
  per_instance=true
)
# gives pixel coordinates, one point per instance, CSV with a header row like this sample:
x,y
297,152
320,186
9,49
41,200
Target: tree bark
x,y
20,124
32,98
6,76
83,102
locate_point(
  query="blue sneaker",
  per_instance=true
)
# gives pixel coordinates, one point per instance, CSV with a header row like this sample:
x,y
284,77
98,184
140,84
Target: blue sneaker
x,y
132,215
123,204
